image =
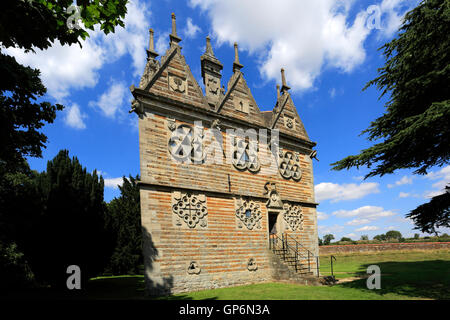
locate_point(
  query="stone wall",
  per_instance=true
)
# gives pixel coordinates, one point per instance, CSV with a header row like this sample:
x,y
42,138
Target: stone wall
x,y
205,224
328,250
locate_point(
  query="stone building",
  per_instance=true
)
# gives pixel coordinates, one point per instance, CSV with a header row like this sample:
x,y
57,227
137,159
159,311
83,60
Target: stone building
x,y
211,196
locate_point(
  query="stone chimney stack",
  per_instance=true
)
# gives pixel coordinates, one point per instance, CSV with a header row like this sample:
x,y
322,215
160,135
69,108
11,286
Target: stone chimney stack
x,y
211,73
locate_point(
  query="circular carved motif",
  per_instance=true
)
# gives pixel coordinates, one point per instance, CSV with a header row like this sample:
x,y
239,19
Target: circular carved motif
x,y
190,209
245,156
289,168
250,214
186,144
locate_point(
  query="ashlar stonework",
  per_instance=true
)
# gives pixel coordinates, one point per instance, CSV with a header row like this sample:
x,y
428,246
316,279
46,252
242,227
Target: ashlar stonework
x,y
207,224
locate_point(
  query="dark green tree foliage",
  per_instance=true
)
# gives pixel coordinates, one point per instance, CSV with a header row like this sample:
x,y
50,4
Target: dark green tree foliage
x,y
38,23
327,239
70,229
393,234
21,116
434,214
380,237
14,270
124,219
415,129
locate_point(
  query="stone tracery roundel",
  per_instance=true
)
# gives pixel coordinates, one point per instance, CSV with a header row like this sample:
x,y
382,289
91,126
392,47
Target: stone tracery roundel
x,y
289,166
186,144
190,208
245,155
249,213
293,216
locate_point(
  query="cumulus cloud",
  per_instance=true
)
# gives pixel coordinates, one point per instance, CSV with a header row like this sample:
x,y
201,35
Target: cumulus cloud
x,y
74,117
330,229
64,68
191,29
340,192
111,101
367,228
113,182
356,222
367,212
321,215
404,180
443,178
300,35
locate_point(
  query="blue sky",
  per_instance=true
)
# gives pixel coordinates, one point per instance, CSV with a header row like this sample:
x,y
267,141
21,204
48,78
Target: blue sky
x,y
329,51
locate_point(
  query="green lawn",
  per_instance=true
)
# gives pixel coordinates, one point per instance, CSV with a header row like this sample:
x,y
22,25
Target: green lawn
x,y
405,275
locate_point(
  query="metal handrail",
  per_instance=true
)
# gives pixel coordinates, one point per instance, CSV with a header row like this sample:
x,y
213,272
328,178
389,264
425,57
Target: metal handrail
x,y
286,247
299,245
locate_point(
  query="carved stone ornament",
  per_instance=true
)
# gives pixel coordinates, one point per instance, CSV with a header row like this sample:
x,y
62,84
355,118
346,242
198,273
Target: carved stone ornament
x,y
216,124
274,201
249,213
186,144
213,86
289,122
171,124
245,155
252,265
177,84
289,167
151,68
189,209
293,216
137,107
193,268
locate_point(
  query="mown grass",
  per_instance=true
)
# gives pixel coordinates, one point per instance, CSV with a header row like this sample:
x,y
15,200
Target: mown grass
x,y
405,275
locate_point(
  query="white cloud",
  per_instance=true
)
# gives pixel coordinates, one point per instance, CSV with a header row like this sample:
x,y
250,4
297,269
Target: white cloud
x,y
111,101
191,29
113,182
332,92
367,228
330,229
321,216
300,35
393,12
337,192
356,222
443,177
74,118
402,181
404,195
351,235
64,68
162,43
366,212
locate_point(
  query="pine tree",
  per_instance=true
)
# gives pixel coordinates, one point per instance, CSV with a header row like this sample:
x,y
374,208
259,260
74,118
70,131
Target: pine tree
x,y
124,218
70,229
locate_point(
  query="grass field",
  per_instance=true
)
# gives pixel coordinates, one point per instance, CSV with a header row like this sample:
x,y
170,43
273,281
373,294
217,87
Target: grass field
x,y
405,275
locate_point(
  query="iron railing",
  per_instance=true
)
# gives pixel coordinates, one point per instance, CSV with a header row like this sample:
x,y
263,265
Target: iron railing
x,y
293,252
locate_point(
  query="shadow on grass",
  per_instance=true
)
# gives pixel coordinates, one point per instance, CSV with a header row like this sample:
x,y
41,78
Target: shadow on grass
x,y
425,279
